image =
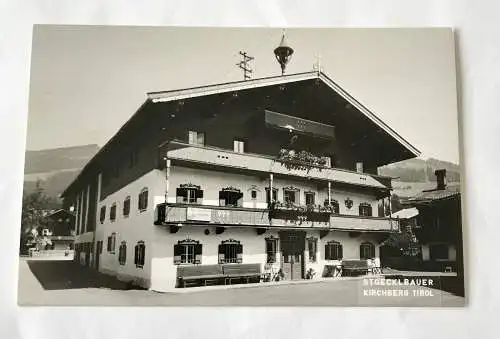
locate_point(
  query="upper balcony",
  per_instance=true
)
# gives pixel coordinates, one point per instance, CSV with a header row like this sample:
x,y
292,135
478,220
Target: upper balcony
x,y
181,214
197,155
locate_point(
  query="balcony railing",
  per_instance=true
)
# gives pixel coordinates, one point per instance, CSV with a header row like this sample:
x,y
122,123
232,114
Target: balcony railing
x,y
233,216
197,154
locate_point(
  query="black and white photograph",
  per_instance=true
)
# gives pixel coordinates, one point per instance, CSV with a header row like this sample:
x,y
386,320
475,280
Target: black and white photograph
x,y
182,166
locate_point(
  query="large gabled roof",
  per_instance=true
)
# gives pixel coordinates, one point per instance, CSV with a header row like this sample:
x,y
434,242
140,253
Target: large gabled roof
x,y
166,96
173,95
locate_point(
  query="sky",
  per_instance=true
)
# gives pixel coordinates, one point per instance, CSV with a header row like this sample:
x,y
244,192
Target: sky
x,y
87,81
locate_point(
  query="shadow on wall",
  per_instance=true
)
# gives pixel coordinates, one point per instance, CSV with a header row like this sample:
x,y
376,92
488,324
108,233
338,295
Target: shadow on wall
x,y
61,275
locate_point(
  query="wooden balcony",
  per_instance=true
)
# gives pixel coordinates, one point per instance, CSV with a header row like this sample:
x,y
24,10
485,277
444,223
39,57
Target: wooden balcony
x,y
196,155
179,214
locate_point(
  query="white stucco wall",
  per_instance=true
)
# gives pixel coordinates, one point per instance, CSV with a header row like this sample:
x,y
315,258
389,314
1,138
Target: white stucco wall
x,y
138,226
164,271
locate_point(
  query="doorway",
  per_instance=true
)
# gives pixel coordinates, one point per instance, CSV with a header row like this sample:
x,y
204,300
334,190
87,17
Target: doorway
x,y
292,254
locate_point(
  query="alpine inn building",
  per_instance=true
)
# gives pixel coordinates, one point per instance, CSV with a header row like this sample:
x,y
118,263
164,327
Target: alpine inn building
x,y
280,172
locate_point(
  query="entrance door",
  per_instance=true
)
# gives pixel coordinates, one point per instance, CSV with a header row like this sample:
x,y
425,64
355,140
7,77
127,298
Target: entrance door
x,y
292,254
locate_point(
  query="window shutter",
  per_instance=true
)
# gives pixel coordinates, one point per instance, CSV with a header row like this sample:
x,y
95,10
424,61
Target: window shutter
x,y
136,255
325,255
239,253
177,254
197,253
222,258
341,252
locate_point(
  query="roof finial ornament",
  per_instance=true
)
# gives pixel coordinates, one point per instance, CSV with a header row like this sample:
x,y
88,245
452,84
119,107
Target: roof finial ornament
x,y
283,53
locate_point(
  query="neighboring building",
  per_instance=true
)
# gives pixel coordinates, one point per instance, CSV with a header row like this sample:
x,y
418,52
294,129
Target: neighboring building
x,y
59,228
439,223
206,175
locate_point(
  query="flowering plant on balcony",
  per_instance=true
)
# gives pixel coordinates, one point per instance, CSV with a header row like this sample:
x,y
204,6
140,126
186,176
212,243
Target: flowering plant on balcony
x,y
302,160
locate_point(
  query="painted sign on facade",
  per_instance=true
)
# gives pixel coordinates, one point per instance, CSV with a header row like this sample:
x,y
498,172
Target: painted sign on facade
x,y
198,214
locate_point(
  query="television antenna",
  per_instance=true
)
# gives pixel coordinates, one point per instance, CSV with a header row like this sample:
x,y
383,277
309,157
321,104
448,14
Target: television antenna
x,y
244,65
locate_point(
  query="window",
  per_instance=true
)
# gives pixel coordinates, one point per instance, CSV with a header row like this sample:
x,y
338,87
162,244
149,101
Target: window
x,y
111,243
45,232
122,253
290,195
112,212
196,138
312,247
334,204
365,209
275,195
333,250
438,251
231,197
187,252
126,207
271,249
367,250
230,251
140,254
239,146
253,194
143,199
309,198
102,214
189,194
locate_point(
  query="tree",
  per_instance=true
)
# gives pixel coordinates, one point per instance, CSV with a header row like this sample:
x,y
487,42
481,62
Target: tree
x,y
35,206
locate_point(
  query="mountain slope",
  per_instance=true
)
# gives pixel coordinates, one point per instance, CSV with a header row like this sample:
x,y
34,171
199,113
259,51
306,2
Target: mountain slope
x,y
55,168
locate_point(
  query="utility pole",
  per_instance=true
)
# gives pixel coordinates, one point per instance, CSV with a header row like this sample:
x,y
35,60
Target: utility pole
x,y
244,65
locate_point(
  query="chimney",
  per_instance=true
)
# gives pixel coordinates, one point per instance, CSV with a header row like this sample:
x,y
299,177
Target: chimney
x,y
441,179
359,167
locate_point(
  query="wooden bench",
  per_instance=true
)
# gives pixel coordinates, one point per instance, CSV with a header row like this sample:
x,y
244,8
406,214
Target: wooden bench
x,y
352,266
242,272
188,275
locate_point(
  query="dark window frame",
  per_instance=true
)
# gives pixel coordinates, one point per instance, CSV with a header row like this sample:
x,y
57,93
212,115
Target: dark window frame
x,y
312,257
275,194
102,214
334,250
142,202
188,252
230,251
140,254
122,253
112,212
126,206
111,246
272,249
309,194
365,209
366,250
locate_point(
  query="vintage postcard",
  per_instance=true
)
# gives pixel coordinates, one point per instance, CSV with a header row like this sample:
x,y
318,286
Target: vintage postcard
x,y
242,167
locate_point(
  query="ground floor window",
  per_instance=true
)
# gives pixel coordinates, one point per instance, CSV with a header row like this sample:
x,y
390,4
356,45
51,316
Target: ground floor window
x,y
438,251
140,254
312,247
230,251
187,252
122,253
111,243
271,249
367,250
333,250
